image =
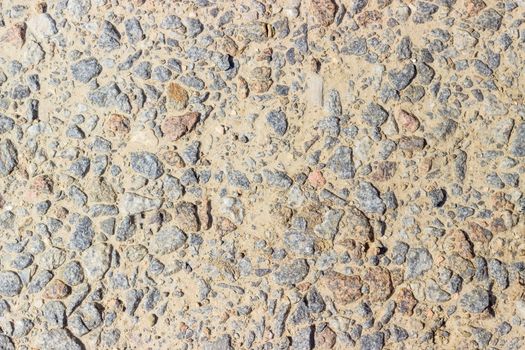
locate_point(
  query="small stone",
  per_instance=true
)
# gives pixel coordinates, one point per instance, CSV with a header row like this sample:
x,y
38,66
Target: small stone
x,y
378,279
96,261
291,273
405,301
56,339
146,164
341,163
133,30
369,199
175,127
316,179
374,341
132,203
178,95
109,38
323,11
10,284
475,301
419,261
168,240
118,124
473,7
407,121
346,289
438,197
6,343
56,289
83,234
86,69
221,343
8,157
278,122
517,146
186,217
15,35
325,339
489,19
375,115
401,78
42,25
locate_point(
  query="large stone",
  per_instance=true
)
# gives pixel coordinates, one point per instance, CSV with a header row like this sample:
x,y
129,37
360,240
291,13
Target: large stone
x,y
346,289
10,284
291,273
8,157
96,261
168,240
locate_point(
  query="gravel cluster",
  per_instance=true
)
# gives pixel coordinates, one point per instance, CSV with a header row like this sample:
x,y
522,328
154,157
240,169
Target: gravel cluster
x,y
262,174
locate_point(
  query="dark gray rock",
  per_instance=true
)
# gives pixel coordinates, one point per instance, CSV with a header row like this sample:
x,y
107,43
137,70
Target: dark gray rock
x,y
168,240
6,124
419,261
133,30
146,164
475,301
374,341
54,313
369,199
291,273
401,78
489,19
109,38
438,197
341,163
8,157
82,236
73,273
6,343
517,146
57,339
374,114
86,69
10,284
278,122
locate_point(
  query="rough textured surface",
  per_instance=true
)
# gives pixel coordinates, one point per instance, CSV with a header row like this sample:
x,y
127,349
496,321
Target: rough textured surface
x,y
262,174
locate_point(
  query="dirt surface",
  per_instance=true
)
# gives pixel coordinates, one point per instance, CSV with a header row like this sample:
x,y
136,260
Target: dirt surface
x,y
287,174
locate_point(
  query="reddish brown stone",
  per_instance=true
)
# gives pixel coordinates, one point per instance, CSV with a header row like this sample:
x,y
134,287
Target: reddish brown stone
x,y
178,94
407,121
411,143
186,217
346,289
384,171
405,301
56,289
118,124
316,179
42,184
224,225
369,17
243,88
204,214
378,279
323,11
458,241
175,127
474,7
325,339
16,35
479,233
354,225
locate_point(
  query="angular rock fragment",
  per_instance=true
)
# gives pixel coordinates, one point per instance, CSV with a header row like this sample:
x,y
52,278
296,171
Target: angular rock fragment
x,y
175,127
